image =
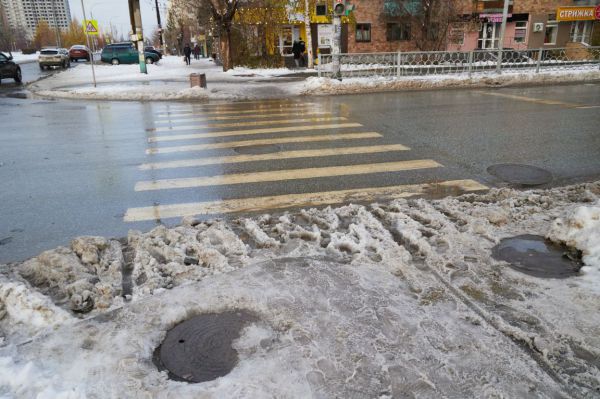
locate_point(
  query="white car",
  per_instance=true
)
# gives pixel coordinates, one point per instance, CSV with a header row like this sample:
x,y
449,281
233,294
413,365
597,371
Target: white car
x,y
50,57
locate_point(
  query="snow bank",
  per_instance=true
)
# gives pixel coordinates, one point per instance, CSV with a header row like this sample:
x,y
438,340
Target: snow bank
x,y
580,228
373,300
314,85
21,58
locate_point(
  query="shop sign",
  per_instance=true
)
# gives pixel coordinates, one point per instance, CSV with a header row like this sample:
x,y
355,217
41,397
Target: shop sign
x,y
577,13
493,17
325,34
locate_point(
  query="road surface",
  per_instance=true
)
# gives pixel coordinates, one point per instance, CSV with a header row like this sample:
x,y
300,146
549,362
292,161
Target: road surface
x,y
71,168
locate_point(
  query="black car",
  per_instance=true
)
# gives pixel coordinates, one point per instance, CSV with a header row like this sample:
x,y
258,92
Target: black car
x,y
150,49
8,69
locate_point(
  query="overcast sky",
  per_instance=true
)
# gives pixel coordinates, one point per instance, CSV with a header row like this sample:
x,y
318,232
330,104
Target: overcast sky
x,y
117,12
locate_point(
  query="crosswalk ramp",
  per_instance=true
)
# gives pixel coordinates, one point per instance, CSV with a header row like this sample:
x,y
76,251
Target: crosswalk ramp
x,y
261,156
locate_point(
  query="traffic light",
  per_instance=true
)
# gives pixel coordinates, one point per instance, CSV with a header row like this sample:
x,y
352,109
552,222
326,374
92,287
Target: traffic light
x,y
340,7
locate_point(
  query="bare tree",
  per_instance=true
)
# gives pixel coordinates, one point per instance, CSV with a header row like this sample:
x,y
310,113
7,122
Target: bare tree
x,y
429,20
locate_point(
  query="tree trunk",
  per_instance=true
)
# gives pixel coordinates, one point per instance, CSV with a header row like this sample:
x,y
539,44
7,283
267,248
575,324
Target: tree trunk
x,y
225,45
309,46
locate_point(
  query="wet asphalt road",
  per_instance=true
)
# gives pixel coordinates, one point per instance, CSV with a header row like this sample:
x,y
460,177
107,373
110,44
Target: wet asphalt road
x,y
70,168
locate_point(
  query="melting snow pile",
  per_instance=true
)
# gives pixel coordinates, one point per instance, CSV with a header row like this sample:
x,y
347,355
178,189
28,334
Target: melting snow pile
x,y
356,301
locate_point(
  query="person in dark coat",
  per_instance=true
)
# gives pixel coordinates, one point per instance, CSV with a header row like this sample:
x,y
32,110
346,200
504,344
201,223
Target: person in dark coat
x,y
187,52
196,52
297,51
302,50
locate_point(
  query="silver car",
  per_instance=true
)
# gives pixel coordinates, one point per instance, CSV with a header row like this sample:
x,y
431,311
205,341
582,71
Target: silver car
x,y
50,57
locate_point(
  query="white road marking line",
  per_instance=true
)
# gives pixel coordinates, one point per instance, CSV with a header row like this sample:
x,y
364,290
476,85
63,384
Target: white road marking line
x,y
327,152
229,104
246,124
531,99
228,133
289,174
588,107
249,143
242,111
261,204
233,117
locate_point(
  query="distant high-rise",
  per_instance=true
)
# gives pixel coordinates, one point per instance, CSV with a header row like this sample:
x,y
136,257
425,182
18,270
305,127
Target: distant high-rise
x,y
26,14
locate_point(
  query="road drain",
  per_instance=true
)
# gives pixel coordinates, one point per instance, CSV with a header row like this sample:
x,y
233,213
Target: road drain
x,y
535,256
199,349
257,149
524,175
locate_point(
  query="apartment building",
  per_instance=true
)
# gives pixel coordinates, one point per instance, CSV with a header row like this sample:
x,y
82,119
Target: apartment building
x,y
26,14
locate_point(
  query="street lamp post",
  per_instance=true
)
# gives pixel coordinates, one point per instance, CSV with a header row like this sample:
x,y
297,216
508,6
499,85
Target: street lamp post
x,y
502,33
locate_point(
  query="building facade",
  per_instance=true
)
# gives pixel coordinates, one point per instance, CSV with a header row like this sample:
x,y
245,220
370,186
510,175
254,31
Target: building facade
x,y
26,14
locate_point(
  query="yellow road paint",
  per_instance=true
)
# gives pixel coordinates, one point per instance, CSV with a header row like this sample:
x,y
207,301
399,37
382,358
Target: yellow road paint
x,y
233,117
289,174
239,111
230,104
531,99
327,152
262,204
270,130
246,124
249,143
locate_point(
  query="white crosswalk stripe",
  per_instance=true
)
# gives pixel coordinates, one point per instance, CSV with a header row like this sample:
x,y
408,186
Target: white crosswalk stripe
x,y
234,117
246,124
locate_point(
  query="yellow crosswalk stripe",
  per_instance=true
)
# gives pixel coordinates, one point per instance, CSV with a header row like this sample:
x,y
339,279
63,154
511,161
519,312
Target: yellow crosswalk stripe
x,y
249,143
289,174
261,204
236,111
230,104
327,152
228,133
233,117
252,123
531,99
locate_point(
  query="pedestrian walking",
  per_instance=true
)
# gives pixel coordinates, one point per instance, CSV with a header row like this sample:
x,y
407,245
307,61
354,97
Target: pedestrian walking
x,y
297,51
196,52
187,52
302,51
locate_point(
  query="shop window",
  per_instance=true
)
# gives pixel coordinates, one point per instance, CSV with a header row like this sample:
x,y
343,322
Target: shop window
x,y
581,31
520,31
397,31
363,33
551,32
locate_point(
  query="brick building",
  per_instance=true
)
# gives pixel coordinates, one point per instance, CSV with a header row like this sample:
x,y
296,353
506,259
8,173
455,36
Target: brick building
x,y
475,24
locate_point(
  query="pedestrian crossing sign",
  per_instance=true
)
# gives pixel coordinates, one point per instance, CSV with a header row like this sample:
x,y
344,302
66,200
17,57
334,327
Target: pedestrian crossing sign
x,y
90,27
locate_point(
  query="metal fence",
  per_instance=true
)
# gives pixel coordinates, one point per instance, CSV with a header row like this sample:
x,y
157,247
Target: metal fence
x,y
422,63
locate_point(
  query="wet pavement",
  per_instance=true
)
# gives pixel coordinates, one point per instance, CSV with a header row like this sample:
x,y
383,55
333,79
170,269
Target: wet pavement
x,y
71,168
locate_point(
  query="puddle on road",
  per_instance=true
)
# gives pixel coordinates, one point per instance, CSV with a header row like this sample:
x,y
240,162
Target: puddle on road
x,y
535,256
524,175
199,349
440,191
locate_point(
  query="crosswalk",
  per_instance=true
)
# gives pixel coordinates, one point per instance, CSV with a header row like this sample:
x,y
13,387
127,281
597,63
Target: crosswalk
x,y
200,147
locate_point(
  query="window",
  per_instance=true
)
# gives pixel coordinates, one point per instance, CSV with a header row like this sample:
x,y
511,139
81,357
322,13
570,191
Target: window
x,y
3,58
520,31
551,31
363,33
321,10
397,31
581,31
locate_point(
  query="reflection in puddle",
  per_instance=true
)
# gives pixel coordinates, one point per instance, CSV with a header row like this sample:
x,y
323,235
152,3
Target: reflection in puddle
x,y
535,256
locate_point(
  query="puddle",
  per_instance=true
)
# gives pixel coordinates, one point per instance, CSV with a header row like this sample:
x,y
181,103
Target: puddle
x,y
440,191
199,349
524,175
535,256
258,149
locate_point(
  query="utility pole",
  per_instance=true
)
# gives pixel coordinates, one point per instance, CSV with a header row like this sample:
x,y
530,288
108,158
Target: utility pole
x,y
160,31
87,37
502,33
137,34
56,27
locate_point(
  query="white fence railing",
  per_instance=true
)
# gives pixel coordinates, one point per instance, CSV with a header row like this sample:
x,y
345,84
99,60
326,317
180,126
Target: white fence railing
x,y
422,63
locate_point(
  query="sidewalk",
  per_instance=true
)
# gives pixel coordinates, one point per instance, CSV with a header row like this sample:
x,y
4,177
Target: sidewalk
x,y
169,80
355,301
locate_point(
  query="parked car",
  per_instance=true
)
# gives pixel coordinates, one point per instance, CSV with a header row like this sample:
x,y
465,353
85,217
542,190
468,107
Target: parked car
x,y
9,69
151,49
125,53
50,57
79,52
